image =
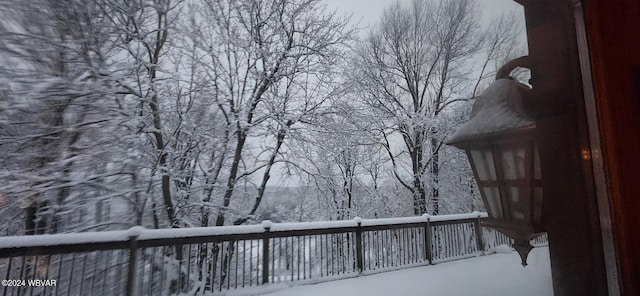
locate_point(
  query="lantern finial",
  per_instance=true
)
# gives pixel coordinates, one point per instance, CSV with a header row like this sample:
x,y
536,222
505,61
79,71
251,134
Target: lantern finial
x,y
523,247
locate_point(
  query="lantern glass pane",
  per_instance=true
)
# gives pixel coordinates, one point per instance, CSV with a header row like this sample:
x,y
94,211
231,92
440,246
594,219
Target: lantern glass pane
x,y
515,194
512,161
518,215
483,162
536,164
519,204
492,195
537,204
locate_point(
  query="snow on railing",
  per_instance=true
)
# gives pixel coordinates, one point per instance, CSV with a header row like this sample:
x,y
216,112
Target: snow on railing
x,y
143,261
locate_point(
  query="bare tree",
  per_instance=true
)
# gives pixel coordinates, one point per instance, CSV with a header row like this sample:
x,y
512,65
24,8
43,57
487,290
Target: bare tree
x,y
270,65
142,30
340,158
329,156
185,109
412,69
58,105
503,40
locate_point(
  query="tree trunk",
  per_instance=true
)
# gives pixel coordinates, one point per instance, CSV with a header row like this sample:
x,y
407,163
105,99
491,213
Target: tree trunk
x,y
231,181
435,177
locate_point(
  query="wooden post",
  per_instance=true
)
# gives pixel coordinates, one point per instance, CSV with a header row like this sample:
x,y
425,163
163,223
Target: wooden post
x,y
265,251
359,247
479,234
134,232
427,239
570,207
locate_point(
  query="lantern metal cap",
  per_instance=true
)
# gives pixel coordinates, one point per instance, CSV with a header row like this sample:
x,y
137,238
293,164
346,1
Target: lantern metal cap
x,y
498,110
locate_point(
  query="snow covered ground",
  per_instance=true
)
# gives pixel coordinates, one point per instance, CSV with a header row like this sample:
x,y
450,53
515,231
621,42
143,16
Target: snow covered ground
x,y
493,275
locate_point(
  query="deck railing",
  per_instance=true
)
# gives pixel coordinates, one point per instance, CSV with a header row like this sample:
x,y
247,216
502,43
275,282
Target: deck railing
x,y
195,261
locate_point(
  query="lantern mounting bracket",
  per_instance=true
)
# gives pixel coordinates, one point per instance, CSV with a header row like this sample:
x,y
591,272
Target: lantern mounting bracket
x,y
526,92
505,70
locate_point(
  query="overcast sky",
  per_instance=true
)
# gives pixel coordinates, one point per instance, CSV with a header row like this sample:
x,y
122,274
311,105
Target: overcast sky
x,y
369,11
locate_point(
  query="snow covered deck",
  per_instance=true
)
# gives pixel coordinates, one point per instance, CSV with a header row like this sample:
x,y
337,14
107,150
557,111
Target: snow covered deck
x,y
494,275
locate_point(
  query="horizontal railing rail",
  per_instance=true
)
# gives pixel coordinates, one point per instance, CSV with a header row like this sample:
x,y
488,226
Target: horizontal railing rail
x,y
142,261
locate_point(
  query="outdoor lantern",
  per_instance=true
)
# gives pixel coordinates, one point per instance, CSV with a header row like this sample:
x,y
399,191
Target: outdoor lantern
x,y
500,141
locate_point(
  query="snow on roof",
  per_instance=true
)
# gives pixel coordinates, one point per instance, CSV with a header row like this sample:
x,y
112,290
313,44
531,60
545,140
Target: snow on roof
x,y
498,109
